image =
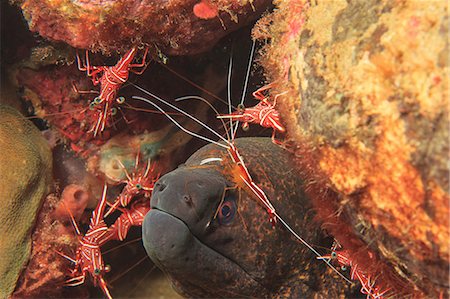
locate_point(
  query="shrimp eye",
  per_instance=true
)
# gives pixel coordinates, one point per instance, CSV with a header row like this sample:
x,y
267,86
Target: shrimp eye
x,y
343,268
241,108
139,186
97,271
91,106
227,211
333,255
113,111
107,268
120,100
97,100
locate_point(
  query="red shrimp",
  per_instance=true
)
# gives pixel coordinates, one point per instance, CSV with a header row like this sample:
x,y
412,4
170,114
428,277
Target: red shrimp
x,y
140,181
111,79
134,216
342,257
263,113
88,259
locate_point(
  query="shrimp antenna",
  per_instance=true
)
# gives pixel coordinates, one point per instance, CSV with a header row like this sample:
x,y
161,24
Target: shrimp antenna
x,y
230,68
181,111
249,66
178,124
310,247
194,84
207,103
72,219
247,76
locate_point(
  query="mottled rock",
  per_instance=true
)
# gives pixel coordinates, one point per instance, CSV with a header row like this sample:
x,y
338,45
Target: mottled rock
x,y
26,174
47,270
173,26
368,91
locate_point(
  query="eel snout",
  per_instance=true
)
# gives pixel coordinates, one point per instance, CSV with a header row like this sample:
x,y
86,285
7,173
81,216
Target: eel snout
x,y
166,238
182,205
178,231
190,194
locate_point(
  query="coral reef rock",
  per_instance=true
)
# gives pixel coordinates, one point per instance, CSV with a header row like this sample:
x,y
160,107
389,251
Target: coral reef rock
x,y
175,26
26,174
367,88
47,270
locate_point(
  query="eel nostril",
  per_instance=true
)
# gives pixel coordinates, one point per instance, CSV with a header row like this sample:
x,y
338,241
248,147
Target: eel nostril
x,y
160,186
187,199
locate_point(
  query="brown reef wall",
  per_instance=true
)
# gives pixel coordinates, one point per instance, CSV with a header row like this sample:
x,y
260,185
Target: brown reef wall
x,y
177,27
367,86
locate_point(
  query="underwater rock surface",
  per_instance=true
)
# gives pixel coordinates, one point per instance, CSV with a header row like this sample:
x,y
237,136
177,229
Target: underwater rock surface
x,y
173,26
46,270
368,91
26,175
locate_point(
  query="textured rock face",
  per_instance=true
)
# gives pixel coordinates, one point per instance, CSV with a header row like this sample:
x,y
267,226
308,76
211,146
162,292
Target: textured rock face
x,y
174,26
367,88
25,171
46,270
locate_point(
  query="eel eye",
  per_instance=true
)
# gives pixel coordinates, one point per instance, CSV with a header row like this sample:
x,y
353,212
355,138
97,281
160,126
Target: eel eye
x,y
227,211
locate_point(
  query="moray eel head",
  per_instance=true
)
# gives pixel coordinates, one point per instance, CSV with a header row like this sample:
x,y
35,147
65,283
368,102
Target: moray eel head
x,y
213,239
192,222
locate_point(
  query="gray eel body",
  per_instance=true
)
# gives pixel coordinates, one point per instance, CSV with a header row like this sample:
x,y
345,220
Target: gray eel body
x,y
215,240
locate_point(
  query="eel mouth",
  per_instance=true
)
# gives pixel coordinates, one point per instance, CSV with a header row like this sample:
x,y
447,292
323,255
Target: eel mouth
x,y
190,263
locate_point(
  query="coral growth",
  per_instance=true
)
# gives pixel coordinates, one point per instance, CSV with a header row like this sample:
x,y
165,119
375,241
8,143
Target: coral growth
x,y
53,97
175,26
46,272
25,168
367,95
74,199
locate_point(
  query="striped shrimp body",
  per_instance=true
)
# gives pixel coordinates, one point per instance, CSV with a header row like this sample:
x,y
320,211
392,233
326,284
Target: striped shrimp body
x,y
139,182
264,113
110,79
342,258
89,259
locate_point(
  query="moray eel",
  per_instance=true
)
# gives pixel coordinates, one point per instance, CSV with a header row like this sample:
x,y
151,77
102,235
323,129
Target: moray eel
x,y
213,239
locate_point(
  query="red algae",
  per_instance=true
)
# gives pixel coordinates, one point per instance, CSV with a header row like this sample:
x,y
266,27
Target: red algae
x,y
205,10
